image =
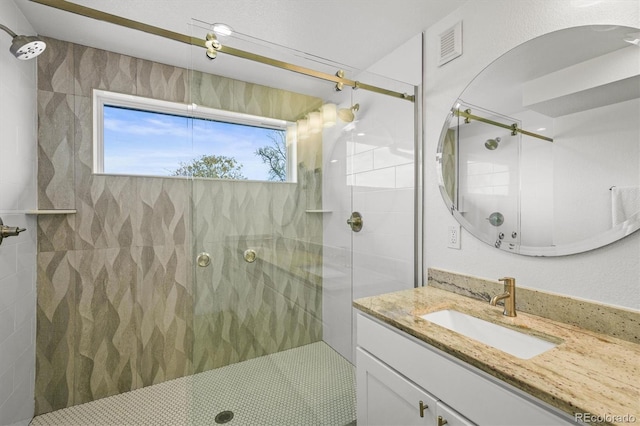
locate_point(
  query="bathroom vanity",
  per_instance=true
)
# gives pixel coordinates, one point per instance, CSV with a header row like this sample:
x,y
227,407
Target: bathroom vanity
x,y
411,371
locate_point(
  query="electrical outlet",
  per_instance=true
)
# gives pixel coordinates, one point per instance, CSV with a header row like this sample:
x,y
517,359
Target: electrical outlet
x,y
453,237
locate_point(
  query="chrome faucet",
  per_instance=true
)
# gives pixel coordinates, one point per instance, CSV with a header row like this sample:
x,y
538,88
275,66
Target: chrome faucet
x,y
509,297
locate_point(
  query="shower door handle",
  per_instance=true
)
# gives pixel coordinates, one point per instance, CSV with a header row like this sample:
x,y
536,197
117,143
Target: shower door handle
x,y
355,222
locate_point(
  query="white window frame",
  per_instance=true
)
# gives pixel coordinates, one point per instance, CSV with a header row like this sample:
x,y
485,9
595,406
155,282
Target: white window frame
x,y
103,97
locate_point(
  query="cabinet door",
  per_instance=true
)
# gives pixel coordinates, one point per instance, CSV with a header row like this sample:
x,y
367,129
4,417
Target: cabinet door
x,y
388,399
447,416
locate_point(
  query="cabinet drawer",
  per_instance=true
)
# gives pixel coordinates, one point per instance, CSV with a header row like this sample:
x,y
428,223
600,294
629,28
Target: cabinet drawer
x,y
464,388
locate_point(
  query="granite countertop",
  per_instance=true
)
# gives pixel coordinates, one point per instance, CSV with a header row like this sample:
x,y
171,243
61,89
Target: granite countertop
x,y
587,372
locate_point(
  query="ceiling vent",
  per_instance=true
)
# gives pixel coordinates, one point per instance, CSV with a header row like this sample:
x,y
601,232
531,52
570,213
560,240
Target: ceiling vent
x,y
450,44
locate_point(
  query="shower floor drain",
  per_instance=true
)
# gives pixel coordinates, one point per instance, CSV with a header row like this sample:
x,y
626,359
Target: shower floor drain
x,y
224,417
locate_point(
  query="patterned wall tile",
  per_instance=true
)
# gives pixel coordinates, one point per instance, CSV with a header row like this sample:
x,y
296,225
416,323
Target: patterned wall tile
x,y
250,296
56,232
55,332
106,212
105,335
55,67
212,91
163,211
165,313
100,69
55,151
269,102
159,81
83,142
142,313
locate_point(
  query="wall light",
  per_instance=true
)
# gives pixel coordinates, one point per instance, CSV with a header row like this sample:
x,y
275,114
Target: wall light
x,y
303,129
315,122
290,135
329,114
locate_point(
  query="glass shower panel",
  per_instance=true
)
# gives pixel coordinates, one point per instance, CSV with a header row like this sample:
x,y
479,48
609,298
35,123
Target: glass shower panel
x,y
381,175
488,181
258,248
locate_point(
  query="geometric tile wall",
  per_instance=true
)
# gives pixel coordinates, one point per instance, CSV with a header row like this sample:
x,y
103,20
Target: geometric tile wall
x,y
120,304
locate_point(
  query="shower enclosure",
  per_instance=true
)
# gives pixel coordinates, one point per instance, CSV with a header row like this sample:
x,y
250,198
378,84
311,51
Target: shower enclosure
x,y
239,289
276,265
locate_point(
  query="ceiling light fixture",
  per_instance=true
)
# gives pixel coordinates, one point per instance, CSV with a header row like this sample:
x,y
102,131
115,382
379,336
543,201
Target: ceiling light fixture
x,y
222,29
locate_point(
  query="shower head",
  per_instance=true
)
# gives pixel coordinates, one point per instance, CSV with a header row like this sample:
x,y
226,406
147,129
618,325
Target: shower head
x,y
492,144
348,114
24,47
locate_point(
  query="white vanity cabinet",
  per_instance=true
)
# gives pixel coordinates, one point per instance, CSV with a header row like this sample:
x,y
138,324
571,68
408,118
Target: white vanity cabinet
x,y
386,398
395,372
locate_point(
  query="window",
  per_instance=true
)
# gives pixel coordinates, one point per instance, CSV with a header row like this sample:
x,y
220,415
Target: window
x,y
142,136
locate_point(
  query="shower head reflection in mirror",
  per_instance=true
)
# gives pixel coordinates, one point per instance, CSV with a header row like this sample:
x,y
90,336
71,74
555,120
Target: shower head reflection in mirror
x,y
492,144
347,115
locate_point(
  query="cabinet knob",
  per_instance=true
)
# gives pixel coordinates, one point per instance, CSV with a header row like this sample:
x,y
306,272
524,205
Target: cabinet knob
x,y
423,407
441,421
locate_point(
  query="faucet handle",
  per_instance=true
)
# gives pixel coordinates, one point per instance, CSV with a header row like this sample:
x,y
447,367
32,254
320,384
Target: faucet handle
x,y
509,283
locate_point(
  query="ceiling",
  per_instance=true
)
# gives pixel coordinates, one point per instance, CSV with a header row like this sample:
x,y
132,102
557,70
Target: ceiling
x,y
353,32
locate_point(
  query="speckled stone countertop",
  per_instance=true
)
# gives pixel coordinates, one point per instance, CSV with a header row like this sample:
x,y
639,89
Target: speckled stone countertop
x,y
587,372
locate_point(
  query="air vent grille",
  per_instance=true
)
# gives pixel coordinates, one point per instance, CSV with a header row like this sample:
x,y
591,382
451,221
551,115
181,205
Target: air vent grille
x,y
450,44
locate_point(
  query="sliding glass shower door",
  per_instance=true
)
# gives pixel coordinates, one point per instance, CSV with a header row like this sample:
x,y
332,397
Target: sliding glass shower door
x,y
276,248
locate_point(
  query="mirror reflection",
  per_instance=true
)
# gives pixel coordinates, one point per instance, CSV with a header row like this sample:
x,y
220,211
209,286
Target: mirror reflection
x,y
540,154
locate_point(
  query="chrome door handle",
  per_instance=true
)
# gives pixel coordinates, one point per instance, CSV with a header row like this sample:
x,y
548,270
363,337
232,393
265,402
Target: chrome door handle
x,y
355,222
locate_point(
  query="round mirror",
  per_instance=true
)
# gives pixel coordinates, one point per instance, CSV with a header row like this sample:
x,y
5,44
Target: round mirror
x,y
540,154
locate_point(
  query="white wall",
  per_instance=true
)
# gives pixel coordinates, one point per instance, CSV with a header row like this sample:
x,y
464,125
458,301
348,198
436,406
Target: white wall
x,y
17,254
490,28
582,154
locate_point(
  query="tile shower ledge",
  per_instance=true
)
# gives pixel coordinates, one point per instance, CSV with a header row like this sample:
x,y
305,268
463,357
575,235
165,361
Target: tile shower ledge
x,y
50,212
587,372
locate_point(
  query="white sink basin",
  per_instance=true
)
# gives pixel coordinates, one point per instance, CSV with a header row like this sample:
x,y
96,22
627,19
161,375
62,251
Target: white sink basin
x,y
507,340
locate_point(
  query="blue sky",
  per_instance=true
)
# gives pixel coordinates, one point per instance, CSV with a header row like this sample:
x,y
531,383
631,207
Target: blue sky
x,y
148,143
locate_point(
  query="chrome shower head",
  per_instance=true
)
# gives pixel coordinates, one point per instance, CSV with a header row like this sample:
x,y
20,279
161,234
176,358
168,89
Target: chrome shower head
x,y
348,114
492,144
24,47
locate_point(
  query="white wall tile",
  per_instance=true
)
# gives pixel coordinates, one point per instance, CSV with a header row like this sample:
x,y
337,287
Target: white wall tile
x,y
7,321
8,289
6,386
8,261
405,176
361,162
386,157
382,178
17,254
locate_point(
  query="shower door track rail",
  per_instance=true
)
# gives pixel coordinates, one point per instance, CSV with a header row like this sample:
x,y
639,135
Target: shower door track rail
x,y
182,38
513,127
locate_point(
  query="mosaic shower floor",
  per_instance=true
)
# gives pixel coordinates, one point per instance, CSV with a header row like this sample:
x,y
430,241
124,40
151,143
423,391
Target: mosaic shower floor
x,y
309,385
